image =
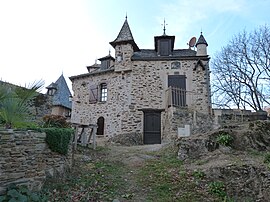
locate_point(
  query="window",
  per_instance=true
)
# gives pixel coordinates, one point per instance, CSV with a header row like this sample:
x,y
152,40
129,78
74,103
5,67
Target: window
x,y
51,91
100,124
164,47
178,87
105,64
103,92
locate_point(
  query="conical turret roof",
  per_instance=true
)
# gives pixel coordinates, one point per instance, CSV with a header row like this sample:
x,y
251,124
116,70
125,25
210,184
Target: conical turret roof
x,y
125,36
62,94
201,40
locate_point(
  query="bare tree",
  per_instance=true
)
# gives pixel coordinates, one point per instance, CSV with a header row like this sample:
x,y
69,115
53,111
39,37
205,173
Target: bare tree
x,y
241,71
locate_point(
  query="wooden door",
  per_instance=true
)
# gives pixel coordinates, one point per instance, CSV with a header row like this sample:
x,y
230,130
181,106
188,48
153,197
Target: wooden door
x,y
152,128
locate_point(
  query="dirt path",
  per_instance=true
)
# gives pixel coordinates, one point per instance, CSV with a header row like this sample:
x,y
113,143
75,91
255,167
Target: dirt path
x,y
128,162
133,157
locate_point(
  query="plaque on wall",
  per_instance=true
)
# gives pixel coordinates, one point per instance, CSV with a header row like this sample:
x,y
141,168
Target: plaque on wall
x,y
175,65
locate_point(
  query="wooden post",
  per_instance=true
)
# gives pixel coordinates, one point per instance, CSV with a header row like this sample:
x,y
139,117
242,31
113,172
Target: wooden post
x,y
94,136
84,137
75,138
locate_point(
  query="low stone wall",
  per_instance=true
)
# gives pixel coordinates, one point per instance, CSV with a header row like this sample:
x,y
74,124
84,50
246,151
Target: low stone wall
x,y
228,116
179,117
26,159
128,139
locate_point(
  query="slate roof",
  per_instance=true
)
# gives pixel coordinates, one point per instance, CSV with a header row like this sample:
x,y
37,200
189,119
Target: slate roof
x,y
151,54
201,40
52,86
125,36
108,57
94,67
95,72
62,94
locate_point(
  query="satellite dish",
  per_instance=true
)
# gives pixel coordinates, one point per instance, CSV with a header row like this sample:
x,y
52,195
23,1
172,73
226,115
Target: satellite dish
x,y
192,42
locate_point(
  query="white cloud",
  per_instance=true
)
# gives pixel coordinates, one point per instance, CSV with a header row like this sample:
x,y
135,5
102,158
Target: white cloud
x,y
187,18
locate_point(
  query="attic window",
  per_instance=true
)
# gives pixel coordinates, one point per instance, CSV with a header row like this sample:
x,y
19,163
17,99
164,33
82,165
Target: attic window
x,y
105,64
164,48
51,91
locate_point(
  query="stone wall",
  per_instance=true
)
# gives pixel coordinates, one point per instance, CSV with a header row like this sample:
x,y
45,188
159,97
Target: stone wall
x,y
229,116
41,106
26,159
179,117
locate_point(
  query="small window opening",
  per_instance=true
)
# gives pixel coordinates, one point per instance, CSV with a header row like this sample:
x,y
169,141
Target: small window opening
x,y
103,92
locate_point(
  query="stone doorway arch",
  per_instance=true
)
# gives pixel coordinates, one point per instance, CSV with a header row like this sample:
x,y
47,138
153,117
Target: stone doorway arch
x,y
100,125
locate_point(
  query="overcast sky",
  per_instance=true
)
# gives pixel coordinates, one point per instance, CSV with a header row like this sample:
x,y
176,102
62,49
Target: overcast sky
x,y
43,39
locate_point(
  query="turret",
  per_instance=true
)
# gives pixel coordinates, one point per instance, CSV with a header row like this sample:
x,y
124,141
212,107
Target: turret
x,y
201,46
124,46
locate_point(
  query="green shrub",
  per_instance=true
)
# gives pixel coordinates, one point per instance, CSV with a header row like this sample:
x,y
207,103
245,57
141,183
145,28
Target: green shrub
x,y
58,139
22,194
217,188
55,121
198,174
225,139
267,158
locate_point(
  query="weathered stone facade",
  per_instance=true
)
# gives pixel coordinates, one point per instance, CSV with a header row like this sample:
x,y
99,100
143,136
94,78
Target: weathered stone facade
x,y
26,159
137,81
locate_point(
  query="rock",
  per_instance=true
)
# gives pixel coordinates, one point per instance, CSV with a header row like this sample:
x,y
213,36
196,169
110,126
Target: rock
x,y
245,176
128,139
86,158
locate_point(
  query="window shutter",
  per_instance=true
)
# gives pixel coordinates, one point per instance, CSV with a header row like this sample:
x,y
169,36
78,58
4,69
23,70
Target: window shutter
x,y
164,48
93,94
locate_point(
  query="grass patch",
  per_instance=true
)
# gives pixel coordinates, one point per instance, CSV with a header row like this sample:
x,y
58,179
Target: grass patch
x,y
164,179
105,178
225,139
97,180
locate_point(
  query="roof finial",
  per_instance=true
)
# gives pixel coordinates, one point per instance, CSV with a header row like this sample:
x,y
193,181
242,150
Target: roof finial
x,y
164,27
109,51
126,15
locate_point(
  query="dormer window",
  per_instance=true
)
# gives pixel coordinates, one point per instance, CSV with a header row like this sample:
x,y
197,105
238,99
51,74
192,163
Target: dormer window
x,y
164,47
105,64
51,91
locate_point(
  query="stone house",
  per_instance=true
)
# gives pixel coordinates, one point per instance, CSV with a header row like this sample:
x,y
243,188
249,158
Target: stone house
x,y
56,101
150,92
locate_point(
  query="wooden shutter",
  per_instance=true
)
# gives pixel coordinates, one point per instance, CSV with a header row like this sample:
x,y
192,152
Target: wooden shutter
x,y
164,48
93,93
178,81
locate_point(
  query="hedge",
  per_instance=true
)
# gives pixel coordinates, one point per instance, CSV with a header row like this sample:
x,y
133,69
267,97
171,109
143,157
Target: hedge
x,y
58,139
